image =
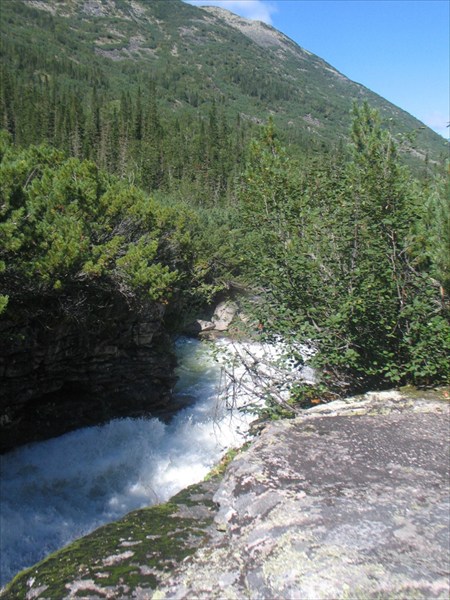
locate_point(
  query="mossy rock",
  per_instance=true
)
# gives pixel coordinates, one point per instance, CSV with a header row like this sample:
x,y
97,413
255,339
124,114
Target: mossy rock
x,y
132,553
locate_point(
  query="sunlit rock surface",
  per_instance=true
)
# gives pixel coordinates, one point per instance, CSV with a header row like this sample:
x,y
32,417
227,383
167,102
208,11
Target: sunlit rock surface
x,y
350,500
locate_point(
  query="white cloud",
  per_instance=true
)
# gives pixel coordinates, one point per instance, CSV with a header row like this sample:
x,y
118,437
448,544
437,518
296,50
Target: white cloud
x,y
438,121
259,10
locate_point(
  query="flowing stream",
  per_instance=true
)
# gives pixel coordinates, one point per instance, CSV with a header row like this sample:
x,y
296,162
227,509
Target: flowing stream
x,y
55,491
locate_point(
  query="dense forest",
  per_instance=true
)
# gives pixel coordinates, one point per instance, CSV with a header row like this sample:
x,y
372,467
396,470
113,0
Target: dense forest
x,y
348,251
95,77
112,192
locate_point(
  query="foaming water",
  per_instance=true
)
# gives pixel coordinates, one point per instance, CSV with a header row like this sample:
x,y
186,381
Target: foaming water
x,y
55,491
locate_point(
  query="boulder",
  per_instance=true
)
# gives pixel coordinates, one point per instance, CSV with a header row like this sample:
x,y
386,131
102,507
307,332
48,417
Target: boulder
x,y
221,319
350,500
224,314
198,327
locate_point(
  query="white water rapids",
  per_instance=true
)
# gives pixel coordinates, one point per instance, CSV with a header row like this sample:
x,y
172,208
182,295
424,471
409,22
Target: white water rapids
x,y
55,491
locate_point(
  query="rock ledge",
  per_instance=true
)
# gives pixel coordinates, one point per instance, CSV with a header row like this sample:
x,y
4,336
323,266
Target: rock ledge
x,y
348,501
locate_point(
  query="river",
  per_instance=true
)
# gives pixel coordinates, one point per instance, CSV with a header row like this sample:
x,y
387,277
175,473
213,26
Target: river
x,y
55,491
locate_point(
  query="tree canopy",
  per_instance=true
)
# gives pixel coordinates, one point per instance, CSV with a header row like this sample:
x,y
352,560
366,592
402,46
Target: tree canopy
x,y
349,257
346,252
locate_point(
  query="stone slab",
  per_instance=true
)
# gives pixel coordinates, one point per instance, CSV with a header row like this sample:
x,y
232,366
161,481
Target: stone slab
x,y
350,500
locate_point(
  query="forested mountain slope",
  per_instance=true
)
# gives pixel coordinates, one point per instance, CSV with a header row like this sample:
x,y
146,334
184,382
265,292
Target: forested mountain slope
x,y
314,213
103,78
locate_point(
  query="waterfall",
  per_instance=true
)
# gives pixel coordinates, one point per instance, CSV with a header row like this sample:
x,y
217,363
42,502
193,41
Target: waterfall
x,y
55,491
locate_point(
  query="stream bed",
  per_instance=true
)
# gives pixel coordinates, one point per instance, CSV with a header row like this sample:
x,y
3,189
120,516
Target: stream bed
x,y
55,491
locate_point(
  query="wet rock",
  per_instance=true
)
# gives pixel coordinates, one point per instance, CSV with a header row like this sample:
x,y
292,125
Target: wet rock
x,y
59,373
348,501
198,327
224,314
97,566
217,323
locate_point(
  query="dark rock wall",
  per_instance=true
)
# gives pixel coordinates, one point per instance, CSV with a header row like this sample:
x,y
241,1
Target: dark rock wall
x,y
58,373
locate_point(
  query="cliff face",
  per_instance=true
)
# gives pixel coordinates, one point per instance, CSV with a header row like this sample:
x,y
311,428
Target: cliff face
x,y
59,374
349,500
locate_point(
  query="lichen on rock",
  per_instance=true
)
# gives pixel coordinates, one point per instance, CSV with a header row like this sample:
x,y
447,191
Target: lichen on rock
x,y
349,500
127,558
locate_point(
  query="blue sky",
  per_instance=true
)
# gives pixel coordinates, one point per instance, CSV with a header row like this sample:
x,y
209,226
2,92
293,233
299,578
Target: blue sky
x,y
397,48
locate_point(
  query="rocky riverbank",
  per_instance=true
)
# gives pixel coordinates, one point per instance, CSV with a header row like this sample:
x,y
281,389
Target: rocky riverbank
x,y
349,500
60,372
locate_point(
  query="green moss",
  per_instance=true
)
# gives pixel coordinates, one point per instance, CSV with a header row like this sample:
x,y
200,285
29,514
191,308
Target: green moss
x,y
440,393
221,467
135,551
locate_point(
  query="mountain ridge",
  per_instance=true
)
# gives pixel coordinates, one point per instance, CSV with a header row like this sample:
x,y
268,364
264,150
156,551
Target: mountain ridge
x,y
268,36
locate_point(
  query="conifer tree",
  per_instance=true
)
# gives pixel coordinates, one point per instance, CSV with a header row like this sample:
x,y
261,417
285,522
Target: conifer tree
x,y
333,254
